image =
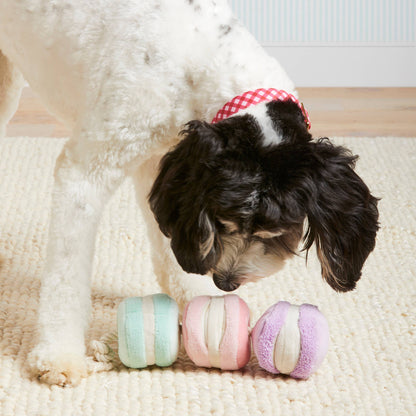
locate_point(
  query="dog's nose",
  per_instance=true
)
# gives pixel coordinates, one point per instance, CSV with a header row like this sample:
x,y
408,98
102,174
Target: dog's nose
x,y
227,285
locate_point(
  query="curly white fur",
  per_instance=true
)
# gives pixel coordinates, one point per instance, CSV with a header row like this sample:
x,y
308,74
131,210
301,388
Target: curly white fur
x,y
124,76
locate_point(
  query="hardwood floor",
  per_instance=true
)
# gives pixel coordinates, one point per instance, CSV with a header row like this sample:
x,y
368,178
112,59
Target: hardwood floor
x,y
361,111
333,112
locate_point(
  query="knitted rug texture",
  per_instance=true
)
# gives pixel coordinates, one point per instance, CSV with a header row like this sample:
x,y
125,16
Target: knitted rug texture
x,y
370,368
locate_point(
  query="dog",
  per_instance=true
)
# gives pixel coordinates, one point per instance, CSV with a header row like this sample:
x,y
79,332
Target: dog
x,y
138,82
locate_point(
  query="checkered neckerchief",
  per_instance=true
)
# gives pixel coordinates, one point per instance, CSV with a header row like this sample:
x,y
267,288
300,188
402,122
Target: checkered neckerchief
x,y
255,97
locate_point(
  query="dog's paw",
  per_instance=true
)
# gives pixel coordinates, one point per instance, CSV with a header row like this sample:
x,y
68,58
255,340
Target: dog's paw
x,y
187,287
62,368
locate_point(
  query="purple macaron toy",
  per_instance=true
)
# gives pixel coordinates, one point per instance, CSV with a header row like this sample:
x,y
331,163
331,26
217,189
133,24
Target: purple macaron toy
x,y
291,339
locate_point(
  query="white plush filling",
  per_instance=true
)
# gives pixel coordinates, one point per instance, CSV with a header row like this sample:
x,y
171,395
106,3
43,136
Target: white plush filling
x,y
214,325
287,344
149,329
174,343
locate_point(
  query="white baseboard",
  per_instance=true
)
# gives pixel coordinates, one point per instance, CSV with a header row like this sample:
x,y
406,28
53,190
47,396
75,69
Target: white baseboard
x,y
348,66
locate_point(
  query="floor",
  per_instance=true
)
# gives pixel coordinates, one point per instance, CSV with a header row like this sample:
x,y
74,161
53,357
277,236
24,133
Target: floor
x,y
363,112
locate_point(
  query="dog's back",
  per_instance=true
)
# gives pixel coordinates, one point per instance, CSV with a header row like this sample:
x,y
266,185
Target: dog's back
x,y
69,50
181,57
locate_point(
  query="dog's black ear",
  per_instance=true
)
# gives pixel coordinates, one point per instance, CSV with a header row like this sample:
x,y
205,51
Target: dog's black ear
x,y
342,215
288,119
194,245
179,194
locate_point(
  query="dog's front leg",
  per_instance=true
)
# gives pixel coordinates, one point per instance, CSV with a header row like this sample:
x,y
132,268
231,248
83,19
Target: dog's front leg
x,y
82,186
11,84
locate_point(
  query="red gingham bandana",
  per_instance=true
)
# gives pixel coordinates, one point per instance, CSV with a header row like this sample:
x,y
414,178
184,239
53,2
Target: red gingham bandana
x,y
255,97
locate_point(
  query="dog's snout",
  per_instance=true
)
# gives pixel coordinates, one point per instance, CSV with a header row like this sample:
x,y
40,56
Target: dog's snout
x,y
225,284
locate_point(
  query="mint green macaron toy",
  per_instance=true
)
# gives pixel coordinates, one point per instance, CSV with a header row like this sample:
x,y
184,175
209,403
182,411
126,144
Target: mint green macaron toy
x,y
148,331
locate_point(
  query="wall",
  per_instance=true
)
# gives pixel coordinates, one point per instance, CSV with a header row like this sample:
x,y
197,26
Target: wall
x,y
337,42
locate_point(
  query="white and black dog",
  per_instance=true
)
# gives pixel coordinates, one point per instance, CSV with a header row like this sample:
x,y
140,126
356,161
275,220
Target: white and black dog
x,y
231,197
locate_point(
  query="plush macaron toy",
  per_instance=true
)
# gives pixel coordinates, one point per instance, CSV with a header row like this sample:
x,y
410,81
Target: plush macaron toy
x,y
287,339
291,339
215,331
148,331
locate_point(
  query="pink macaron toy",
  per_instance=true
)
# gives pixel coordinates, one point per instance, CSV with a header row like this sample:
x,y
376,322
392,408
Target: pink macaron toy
x,y
215,331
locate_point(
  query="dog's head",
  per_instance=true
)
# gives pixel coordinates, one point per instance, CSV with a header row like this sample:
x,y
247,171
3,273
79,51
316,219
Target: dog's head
x,y
233,198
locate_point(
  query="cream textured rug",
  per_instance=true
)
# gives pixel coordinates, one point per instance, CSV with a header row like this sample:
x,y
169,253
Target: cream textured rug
x,y
370,368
